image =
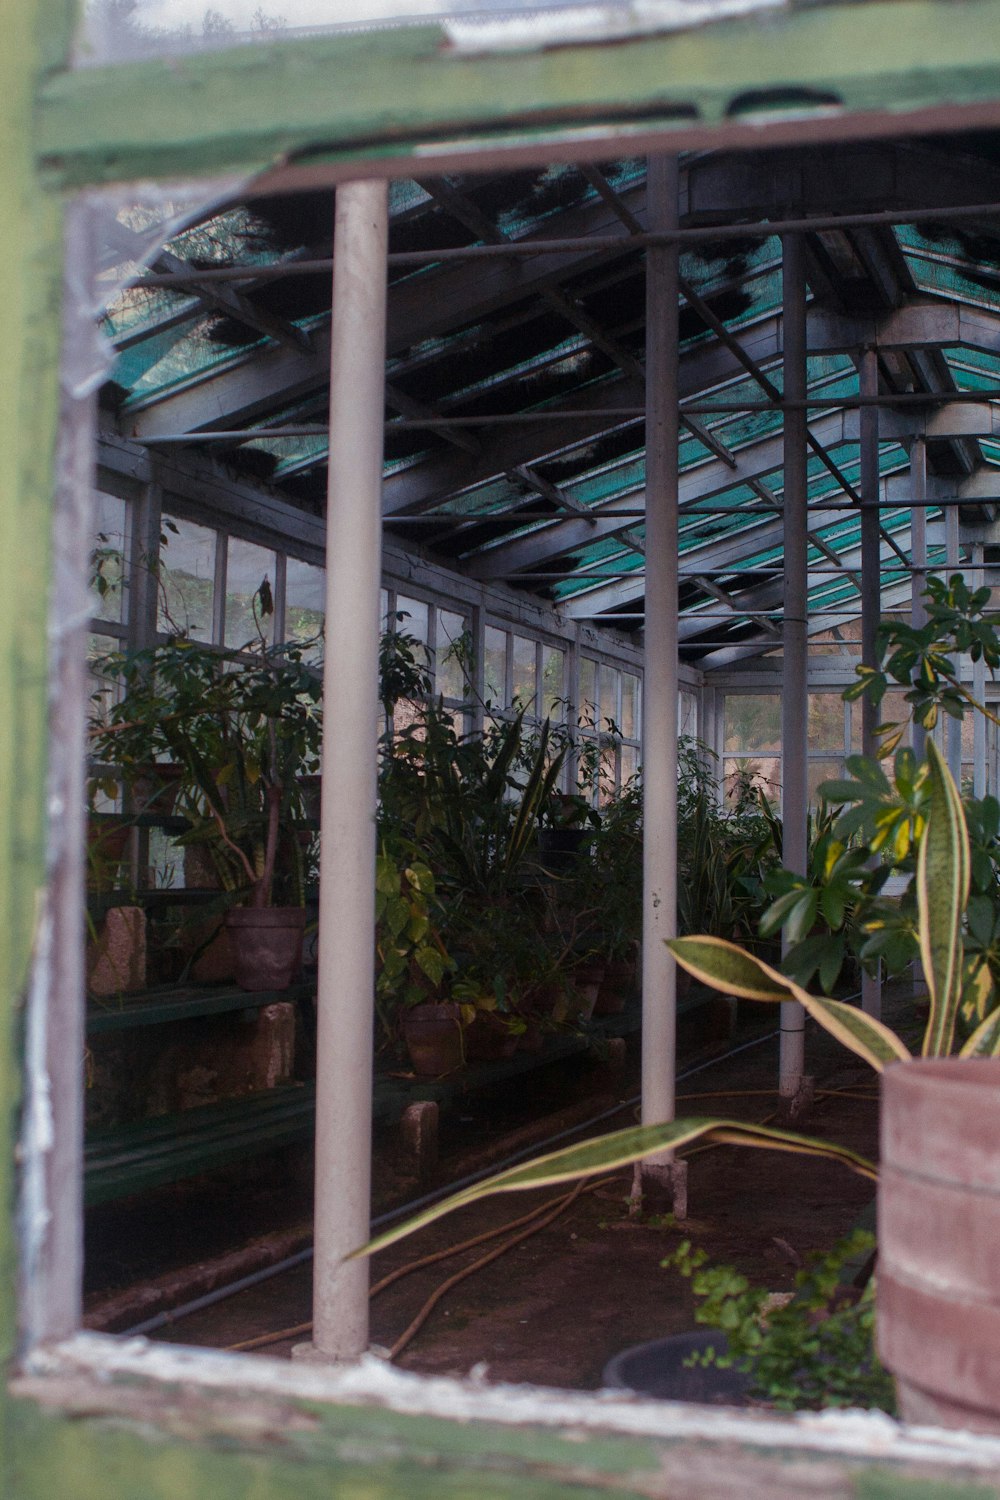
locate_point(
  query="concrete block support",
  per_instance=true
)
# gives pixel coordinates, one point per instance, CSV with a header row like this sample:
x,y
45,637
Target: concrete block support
x,y
418,1131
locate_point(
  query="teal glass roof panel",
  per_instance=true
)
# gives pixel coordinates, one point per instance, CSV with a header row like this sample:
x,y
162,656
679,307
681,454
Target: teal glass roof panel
x,y
196,355
940,261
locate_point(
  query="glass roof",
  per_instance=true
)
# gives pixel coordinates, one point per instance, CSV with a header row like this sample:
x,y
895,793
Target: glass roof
x,y
515,388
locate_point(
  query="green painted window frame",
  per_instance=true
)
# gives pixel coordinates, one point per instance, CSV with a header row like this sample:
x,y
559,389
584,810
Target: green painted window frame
x,y
308,112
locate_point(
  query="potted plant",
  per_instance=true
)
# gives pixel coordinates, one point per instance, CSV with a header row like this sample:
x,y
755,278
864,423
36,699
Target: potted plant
x,y
413,966
242,727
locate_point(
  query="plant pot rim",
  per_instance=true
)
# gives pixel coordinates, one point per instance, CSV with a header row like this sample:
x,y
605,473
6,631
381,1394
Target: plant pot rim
x,y
266,916
433,1010
951,1072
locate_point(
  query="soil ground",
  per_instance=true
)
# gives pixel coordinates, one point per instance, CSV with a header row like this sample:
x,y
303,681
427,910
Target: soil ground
x,y
555,1307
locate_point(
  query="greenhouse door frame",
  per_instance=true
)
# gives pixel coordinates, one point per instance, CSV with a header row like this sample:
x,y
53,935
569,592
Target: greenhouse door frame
x,y
83,1414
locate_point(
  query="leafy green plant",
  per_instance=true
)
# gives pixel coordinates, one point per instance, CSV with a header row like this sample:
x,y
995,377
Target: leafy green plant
x,y
243,727
942,888
942,885
925,659
412,963
814,1350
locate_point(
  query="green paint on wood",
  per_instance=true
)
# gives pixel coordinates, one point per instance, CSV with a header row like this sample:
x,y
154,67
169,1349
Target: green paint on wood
x,y
29,341
130,1442
880,1485
252,105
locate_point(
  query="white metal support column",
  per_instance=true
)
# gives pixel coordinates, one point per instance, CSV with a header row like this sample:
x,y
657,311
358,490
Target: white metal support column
x,y
795,662
661,1178
350,689
953,727
979,777
918,556
871,595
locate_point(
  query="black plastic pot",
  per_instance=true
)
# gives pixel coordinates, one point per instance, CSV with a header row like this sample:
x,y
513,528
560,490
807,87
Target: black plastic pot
x,y
659,1368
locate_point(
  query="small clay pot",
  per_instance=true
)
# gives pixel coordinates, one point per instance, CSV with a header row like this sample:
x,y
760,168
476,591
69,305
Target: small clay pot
x,y
433,1036
267,945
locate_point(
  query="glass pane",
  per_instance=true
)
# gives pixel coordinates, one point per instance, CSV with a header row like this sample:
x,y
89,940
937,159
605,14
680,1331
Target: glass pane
x,y
629,722
687,713
630,762
115,32
414,623
753,721
553,690
588,691
102,796
451,648
305,605
894,709
247,567
525,674
187,579
607,779
821,770
968,734
826,722
495,675
107,559
607,688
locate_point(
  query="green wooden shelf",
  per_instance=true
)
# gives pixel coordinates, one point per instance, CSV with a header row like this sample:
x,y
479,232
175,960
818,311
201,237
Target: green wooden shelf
x,y
156,1007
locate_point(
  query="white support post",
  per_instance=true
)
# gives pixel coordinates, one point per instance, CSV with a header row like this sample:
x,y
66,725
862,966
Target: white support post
x,y
871,597
795,661
979,777
661,1179
350,689
918,558
953,729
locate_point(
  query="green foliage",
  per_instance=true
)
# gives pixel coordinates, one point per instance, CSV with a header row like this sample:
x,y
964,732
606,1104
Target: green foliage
x,y
816,1350
723,852
925,659
412,963
243,727
942,885
620,1148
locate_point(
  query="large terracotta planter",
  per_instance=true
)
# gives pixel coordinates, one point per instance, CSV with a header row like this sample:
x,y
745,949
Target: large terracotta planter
x,y
267,945
433,1036
939,1233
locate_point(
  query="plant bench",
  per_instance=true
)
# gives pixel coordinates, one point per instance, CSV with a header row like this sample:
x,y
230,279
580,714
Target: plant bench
x,y
166,1003
148,1153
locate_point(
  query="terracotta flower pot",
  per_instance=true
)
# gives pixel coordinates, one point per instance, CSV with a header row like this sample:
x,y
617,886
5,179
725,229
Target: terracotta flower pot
x,y
938,1229
267,945
433,1036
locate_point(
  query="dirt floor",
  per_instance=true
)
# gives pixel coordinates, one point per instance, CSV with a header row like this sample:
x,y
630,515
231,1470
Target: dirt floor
x,y
555,1306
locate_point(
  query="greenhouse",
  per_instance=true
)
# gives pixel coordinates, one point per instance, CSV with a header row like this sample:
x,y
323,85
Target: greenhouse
x,y
516,634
